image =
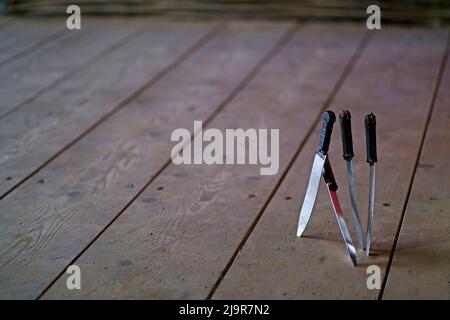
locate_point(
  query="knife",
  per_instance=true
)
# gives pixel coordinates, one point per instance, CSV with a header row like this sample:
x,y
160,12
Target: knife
x,y
328,119
371,146
332,191
347,146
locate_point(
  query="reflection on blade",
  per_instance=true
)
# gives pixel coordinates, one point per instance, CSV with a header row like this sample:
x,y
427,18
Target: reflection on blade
x,y
355,211
311,193
343,226
371,208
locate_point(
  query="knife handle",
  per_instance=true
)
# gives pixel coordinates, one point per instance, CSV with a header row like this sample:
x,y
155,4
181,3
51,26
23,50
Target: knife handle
x,y
328,176
328,119
345,119
371,138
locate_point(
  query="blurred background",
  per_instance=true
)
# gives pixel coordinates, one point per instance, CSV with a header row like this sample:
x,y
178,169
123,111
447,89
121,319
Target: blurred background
x,y
428,12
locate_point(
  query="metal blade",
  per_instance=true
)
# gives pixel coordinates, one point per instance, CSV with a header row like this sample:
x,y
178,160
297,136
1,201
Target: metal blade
x,y
311,193
343,225
355,211
371,208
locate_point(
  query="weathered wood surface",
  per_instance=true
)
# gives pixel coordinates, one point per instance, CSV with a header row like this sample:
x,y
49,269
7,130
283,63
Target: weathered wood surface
x,y
394,79
26,78
47,221
421,265
85,168
21,37
54,120
175,242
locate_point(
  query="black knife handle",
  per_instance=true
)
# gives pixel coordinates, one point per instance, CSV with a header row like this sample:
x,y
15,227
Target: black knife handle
x,y
371,138
328,119
345,119
328,176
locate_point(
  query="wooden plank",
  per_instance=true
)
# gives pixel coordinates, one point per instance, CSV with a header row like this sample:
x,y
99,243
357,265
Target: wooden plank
x,y
26,78
51,218
45,126
177,237
394,79
21,37
421,264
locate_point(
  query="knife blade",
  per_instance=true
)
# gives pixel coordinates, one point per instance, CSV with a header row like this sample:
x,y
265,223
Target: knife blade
x,y
328,119
332,191
347,146
371,147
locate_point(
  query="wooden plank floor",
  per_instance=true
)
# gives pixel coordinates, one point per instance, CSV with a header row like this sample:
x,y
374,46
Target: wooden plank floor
x,y
424,239
86,177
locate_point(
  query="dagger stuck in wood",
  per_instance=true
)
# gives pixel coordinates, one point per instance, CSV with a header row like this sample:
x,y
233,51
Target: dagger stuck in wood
x,y
328,119
332,191
371,145
321,167
347,146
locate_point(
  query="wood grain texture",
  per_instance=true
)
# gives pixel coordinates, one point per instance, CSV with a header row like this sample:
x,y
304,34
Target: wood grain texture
x,y
50,122
21,37
394,79
31,75
47,221
421,264
177,237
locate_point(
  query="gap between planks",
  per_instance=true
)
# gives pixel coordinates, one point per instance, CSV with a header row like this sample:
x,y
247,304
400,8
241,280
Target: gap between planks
x,y
73,49
349,67
253,258
230,113
413,173
52,37
215,30
124,40
241,85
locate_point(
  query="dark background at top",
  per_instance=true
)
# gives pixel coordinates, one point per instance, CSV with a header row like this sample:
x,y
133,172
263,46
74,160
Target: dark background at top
x,y
429,12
